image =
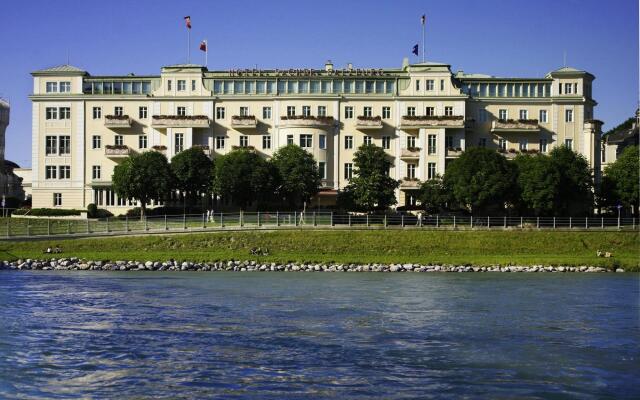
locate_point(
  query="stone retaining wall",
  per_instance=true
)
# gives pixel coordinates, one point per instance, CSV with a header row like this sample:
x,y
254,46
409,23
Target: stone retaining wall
x,y
75,264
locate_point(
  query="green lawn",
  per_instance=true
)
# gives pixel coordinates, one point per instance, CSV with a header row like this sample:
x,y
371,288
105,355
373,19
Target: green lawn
x,y
345,246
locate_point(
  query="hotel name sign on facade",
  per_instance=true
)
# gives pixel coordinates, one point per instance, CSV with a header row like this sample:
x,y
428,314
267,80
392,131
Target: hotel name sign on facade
x,y
422,115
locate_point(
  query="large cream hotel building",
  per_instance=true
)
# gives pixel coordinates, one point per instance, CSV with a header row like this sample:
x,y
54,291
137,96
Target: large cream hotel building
x,y
423,115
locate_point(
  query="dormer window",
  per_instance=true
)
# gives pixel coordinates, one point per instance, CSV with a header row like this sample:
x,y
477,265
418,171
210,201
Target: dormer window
x,y
182,85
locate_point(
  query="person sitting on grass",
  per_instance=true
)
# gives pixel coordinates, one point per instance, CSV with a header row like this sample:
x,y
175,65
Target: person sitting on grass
x,y
57,249
47,250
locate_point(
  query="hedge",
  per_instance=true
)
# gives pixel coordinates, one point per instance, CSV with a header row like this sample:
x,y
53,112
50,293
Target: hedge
x,y
45,212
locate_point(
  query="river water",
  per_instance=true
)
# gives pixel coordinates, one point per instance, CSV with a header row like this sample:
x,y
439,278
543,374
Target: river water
x,y
139,335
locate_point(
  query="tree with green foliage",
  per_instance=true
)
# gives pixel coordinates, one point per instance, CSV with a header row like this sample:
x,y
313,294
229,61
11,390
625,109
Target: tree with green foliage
x,y
143,177
434,196
538,184
574,196
298,174
624,176
481,180
244,176
192,171
371,187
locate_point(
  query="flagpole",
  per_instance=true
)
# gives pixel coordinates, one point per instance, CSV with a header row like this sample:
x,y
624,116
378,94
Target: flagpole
x,y
423,48
206,53
188,46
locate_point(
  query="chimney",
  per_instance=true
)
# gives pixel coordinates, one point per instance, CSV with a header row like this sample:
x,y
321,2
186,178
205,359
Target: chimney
x,y
328,66
349,66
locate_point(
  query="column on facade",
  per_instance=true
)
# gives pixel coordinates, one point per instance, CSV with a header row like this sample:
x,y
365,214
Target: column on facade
x,y
422,144
441,149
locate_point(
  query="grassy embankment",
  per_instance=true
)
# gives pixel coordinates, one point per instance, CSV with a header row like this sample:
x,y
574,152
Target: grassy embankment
x,y
449,247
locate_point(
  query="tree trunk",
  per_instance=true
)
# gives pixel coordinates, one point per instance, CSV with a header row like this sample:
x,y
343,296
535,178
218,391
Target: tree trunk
x,y
143,210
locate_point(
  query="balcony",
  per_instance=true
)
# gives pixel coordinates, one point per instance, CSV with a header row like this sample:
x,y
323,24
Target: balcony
x,y
410,183
512,125
453,152
306,121
117,121
410,153
205,149
369,123
244,121
117,151
160,149
180,121
513,153
432,121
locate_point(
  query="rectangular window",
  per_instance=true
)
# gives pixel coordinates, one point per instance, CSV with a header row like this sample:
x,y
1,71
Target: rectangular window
x,y
306,111
386,112
244,111
411,111
524,144
178,143
524,114
417,85
51,147
568,143
322,111
431,170
96,142
65,112
289,139
57,199
51,113
568,88
142,141
306,141
448,111
182,85
193,85
367,140
50,172
96,172
52,87
482,142
220,112
568,115
502,144
348,170
266,141
266,112
322,169
386,142
118,111
431,144
65,87
142,112
441,85
543,145
543,116
348,142
411,171
367,112
220,142
430,111
348,112
97,112
64,145
119,140
64,172
291,111
502,114
181,111
322,141
411,142
430,84
244,141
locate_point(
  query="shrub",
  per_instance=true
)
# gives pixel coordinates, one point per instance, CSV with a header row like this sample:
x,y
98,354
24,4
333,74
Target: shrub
x,y
46,212
92,210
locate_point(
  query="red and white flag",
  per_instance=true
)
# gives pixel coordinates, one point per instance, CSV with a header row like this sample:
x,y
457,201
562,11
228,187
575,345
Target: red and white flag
x,y
187,21
203,45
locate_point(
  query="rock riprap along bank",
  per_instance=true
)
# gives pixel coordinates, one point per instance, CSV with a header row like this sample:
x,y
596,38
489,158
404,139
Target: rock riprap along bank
x,y
74,264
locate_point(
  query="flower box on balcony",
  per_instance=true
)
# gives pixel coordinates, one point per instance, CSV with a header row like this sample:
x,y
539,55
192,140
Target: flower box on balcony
x,y
244,121
520,125
364,122
180,121
410,183
248,148
426,121
410,152
117,121
306,121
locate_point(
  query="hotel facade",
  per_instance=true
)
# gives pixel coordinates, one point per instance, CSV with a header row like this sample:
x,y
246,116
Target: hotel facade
x,y
422,115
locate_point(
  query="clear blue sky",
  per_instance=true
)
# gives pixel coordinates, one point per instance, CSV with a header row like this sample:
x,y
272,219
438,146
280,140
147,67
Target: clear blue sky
x,y
503,38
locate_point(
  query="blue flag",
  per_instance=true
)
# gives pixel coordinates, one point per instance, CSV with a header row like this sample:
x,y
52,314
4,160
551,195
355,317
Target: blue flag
x,y
415,50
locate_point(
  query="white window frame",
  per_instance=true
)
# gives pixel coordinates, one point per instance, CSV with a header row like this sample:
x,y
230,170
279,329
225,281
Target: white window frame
x,y
96,172
220,113
266,112
386,112
348,142
96,142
